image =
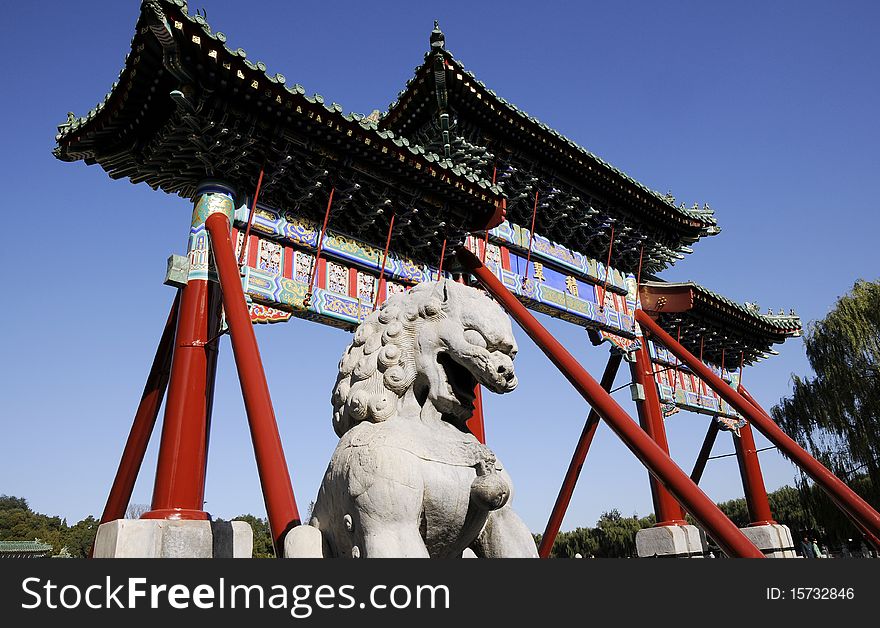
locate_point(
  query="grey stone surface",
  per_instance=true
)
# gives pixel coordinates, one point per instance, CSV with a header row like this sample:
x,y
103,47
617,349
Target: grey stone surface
x,y
157,538
303,542
407,478
671,542
773,539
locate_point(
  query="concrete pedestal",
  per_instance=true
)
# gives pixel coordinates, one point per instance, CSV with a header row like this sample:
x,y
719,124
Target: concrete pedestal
x,y
671,542
158,538
773,539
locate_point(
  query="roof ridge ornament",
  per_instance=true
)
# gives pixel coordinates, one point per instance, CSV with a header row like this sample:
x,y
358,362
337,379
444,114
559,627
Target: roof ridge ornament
x,y
438,39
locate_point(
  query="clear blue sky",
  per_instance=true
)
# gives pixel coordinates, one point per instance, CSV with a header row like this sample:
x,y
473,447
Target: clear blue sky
x,y
767,111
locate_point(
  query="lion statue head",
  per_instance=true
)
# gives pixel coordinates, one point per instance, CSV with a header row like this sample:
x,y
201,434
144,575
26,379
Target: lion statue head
x,y
437,340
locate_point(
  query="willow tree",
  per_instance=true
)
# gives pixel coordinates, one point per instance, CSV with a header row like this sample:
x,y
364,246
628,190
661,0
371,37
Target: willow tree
x,y
836,414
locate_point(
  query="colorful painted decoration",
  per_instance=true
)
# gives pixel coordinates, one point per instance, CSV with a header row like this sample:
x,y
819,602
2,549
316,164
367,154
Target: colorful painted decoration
x,y
337,278
731,425
265,314
366,285
269,256
302,266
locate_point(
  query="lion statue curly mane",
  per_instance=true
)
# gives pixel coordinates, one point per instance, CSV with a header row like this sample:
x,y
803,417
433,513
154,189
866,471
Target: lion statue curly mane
x,y
407,478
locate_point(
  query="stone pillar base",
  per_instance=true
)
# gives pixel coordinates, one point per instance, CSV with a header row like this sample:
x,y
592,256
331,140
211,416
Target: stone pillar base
x,y
160,538
671,542
772,539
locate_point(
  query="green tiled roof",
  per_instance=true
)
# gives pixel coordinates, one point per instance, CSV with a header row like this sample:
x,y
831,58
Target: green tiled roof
x,y
716,323
74,124
187,106
23,546
787,323
704,215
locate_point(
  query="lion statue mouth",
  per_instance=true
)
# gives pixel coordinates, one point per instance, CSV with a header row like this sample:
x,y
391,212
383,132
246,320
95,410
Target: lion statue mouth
x,y
461,370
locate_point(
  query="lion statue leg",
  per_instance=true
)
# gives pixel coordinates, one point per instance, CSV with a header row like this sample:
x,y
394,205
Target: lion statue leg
x,y
390,514
505,536
370,504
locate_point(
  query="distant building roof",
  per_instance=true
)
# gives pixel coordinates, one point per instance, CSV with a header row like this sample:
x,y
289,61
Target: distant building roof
x,y
24,549
709,323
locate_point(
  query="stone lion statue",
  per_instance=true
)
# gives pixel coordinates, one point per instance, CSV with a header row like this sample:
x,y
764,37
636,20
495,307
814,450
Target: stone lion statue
x,y
407,478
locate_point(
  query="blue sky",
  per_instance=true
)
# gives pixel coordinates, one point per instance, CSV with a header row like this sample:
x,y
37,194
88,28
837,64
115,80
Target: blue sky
x,y
767,111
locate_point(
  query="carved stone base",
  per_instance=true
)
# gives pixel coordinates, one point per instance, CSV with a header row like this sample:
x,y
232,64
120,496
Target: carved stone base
x,y
157,538
773,539
671,542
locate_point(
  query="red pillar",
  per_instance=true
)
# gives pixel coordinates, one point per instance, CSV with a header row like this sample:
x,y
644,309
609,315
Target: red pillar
x,y
271,465
476,423
179,490
666,508
849,501
577,463
730,538
144,422
752,479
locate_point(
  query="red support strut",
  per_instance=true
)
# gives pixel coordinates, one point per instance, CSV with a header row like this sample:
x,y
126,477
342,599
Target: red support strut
x,y
845,497
381,281
271,465
871,538
717,525
144,422
705,450
577,463
476,423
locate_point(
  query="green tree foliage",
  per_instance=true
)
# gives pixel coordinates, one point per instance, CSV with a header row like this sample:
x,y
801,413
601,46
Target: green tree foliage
x,y
836,414
263,547
19,523
613,537
78,539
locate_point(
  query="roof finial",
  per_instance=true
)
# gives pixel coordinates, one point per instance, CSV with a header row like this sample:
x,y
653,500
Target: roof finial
x,y
438,40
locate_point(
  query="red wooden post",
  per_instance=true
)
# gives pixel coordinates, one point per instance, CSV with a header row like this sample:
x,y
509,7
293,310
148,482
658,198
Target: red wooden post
x,y
667,510
268,451
577,463
717,525
854,505
752,479
144,422
179,490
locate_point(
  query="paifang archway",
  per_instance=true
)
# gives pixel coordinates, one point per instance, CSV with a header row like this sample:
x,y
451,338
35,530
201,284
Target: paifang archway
x,y
302,210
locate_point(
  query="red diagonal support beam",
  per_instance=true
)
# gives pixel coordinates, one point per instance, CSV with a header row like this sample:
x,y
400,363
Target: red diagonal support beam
x,y
577,463
731,540
705,450
144,422
854,505
271,465
871,538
